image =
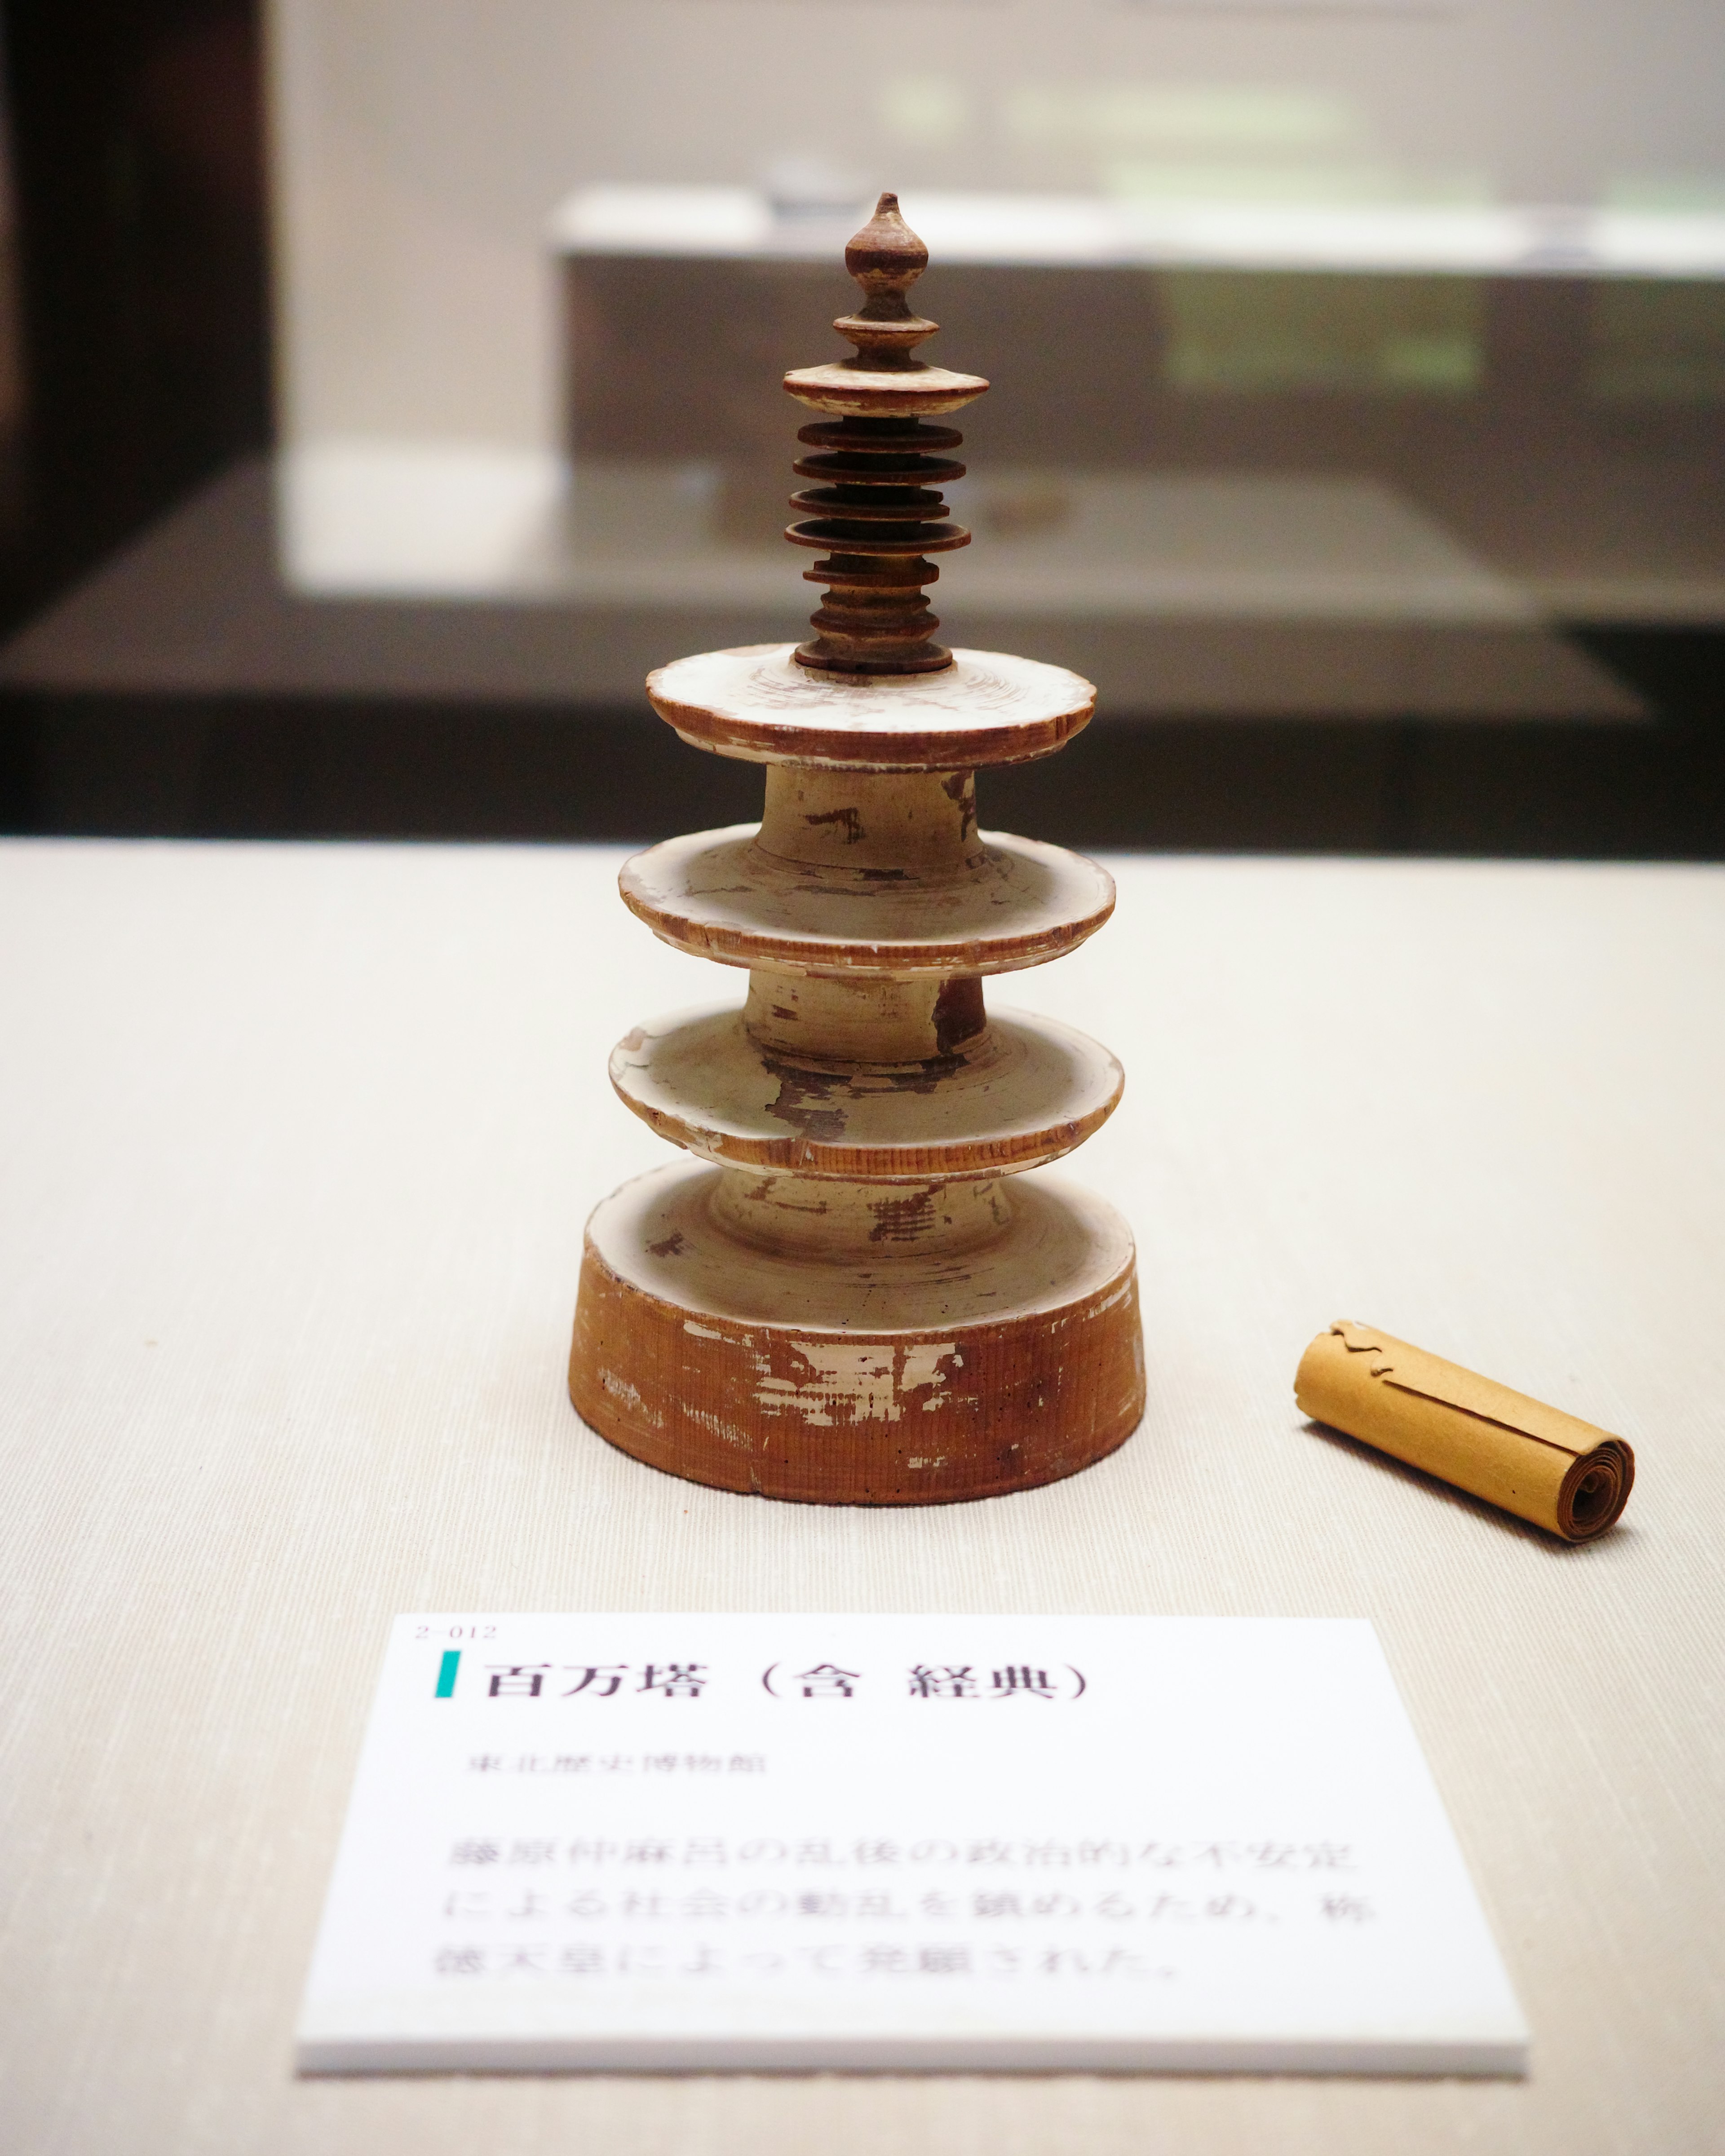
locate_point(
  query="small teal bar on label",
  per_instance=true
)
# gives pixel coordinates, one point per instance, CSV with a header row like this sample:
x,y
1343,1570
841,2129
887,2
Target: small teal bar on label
x,y
446,1674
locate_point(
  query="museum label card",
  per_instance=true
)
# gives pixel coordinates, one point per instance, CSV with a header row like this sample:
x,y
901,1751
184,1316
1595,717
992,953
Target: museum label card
x,y
950,1843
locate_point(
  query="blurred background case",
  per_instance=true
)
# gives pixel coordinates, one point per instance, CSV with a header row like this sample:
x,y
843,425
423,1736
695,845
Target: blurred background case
x,y
1356,419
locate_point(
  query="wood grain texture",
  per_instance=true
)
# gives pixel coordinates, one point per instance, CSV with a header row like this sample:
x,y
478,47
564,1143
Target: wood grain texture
x,y
839,387
755,701
964,1370
871,871
717,895
1020,1092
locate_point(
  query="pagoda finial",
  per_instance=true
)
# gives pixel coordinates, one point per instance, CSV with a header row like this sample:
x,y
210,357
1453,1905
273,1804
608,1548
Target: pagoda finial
x,y
885,258
879,513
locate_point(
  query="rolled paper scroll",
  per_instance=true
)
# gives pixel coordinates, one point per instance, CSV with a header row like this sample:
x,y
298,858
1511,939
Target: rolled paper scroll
x,y
1563,1473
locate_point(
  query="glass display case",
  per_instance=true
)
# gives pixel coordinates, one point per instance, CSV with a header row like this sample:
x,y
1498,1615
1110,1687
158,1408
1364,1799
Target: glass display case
x,y
1357,367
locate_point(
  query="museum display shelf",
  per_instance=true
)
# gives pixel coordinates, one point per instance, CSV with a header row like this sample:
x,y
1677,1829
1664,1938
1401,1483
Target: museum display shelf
x,y
311,1131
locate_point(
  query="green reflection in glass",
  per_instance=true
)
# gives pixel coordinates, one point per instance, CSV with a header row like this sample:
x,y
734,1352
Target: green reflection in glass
x,y
1180,117
1702,193
923,109
1657,343
1265,332
1319,183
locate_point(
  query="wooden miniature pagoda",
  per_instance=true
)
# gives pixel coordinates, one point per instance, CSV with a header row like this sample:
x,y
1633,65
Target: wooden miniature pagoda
x,y
852,1295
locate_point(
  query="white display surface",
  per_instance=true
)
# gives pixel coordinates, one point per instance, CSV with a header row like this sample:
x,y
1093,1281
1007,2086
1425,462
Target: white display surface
x,y
298,1140
1028,1842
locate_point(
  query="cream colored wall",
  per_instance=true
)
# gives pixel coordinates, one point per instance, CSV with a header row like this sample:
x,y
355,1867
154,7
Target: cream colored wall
x,y
419,144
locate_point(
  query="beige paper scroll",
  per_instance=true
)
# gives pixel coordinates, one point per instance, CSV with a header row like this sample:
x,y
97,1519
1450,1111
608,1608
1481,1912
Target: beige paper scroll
x,y
1562,1474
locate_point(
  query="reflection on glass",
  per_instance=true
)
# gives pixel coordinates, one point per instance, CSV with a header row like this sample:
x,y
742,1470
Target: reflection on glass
x,y
1276,331
1366,315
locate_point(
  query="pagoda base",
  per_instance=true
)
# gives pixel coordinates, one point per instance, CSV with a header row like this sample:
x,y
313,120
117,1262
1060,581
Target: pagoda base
x,y
879,1378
